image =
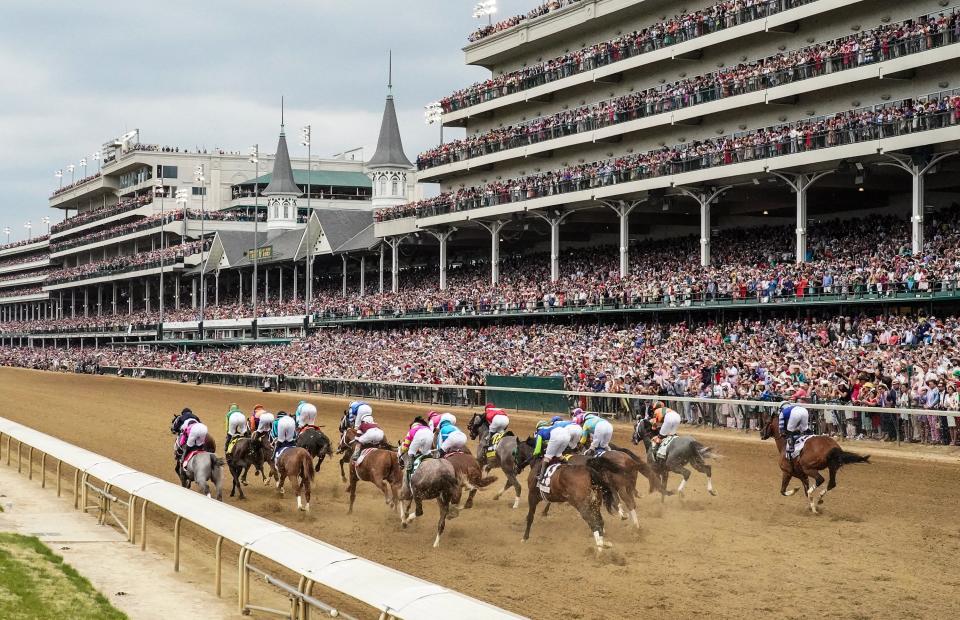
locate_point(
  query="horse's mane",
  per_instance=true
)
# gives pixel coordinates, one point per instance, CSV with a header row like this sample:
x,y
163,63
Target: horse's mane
x,y
419,420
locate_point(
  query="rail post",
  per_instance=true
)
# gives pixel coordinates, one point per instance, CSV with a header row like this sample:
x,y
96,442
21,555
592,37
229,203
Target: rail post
x,y
218,554
30,463
19,456
143,525
76,489
43,470
59,482
176,544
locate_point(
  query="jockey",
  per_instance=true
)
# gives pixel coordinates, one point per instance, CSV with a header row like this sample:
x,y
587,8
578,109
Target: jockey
x,y
363,412
433,420
416,443
794,421
665,421
285,428
497,422
369,433
236,424
306,416
180,420
575,430
595,429
554,434
449,437
193,437
258,410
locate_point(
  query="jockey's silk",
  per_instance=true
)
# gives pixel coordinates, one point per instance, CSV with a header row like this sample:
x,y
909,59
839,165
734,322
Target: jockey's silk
x,y
491,412
409,437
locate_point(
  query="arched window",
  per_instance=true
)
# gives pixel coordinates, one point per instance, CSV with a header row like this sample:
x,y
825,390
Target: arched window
x,y
286,211
395,187
383,186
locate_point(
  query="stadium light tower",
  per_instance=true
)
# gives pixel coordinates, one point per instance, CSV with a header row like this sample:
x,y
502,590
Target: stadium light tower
x,y
307,141
29,228
83,164
159,191
200,179
255,160
485,8
433,113
182,200
46,220
6,229
96,158
70,169
59,175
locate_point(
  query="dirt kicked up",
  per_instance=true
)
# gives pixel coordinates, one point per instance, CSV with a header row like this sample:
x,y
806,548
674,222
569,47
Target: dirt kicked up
x,y
886,546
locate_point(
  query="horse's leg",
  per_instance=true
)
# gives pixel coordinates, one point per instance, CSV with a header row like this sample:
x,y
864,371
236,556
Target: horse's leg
x,y
243,477
444,502
590,512
664,476
707,470
817,481
281,479
343,460
686,473
533,498
785,480
217,476
352,489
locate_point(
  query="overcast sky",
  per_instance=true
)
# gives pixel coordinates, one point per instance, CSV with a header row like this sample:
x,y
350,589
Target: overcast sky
x,y
210,73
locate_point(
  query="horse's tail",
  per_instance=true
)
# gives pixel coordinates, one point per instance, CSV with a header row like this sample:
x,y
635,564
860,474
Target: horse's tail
x,y
705,452
642,467
306,469
597,467
839,457
219,462
485,482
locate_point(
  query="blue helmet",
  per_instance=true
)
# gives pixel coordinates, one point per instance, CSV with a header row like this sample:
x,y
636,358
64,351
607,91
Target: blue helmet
x,y
555,419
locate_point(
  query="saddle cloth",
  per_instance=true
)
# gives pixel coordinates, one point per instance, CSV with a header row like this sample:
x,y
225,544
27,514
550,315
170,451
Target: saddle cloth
x,y
661,452
494,441
233,442
798,447
363,455
190,455
544,483
276,457
417,462
452,452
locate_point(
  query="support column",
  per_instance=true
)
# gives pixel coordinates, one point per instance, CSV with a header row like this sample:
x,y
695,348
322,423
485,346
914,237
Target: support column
x,y
381,268
705,199
917,167
193,294
394,244
363,275
800,183
99,300
555,218
494,227
266,285
114,302
176,291
623,209
443,236
216,289
73,303
130,298
343,292
296,274
86,301
146,293
280,276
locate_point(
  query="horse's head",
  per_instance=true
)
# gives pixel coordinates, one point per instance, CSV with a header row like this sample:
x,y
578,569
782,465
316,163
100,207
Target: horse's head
x,y
639,430
173,425
770,429
474,425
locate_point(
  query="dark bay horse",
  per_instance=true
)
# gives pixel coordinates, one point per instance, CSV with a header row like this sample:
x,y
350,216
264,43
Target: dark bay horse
x,y
296,462
623,480
248,452
581,486
469,474
682,451
506,456
314,441
819,452
434,479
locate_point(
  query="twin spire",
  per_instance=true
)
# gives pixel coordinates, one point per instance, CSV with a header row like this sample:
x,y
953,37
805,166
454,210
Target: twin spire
x,y
389,153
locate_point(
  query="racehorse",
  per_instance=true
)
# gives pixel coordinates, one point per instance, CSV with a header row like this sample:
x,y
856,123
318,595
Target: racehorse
x,y
505,456
316,443
581,486
469,474
624,481
296,462
203,467
247,452
683,450
819,452
433,479
379,466
346,449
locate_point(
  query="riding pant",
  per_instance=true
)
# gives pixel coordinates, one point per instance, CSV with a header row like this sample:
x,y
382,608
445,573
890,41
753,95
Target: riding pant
x,y
454,441
499,423
421,443
265,425
575,431
308,417
558,442
602,434
236,424
196,436
671,423
799,421
286,429
372,437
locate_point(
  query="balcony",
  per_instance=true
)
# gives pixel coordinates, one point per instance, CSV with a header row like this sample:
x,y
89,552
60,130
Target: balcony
x,y
25,280
600,68
605,126
24,247
25,266
90,190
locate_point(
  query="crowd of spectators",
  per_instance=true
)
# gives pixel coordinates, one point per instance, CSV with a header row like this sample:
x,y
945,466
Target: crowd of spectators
x,y
20,259
77,183
78,324
20,291
882,43
510,22
719,16
122,264
23,242
100,213
869,360
22,274
852,126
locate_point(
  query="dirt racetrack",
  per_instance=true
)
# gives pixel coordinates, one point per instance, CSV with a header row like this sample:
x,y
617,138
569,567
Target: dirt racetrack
x,y
887,545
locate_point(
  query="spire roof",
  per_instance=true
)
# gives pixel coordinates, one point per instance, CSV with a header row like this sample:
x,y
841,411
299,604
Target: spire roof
x,y
389,153
281,181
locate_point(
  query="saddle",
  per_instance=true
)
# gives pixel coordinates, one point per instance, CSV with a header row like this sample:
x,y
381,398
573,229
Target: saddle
x,y
544,483
189,455
363,455
452,452
798,446
230,444
279,452
661,452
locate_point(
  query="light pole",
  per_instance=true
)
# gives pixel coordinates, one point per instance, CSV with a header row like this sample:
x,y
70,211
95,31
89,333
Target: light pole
x,y
182,201
433,113
96,158
199,178
255,160
83,164
29,228
59,175
158,192
308,292
70,169
46,220
485,8
6,229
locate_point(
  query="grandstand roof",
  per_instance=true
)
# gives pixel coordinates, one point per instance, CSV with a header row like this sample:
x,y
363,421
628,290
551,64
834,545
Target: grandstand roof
x,y
341,227
389,152
318,178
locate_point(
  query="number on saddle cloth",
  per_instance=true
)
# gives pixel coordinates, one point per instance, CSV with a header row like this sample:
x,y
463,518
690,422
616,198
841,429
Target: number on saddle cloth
x,y
544,483
494,442
232,443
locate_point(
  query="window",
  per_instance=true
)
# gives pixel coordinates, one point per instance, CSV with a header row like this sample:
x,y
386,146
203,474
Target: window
x,y
135,177
286,211
167,172
383,186
395,190
199,191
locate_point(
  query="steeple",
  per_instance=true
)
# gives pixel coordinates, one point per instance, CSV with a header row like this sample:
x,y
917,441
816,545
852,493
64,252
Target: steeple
x,y
389,153
282,191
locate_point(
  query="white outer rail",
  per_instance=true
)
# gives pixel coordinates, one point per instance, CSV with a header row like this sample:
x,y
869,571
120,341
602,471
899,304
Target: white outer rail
x,y
393,593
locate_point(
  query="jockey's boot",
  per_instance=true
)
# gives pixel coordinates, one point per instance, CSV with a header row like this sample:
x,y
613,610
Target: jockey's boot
x,y
357,449
544,466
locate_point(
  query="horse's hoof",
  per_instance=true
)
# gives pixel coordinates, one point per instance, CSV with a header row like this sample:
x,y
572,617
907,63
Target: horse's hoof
x,y
245,483
681,494
607,545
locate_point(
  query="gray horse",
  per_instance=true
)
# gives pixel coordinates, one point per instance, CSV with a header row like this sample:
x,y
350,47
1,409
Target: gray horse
x,y
682,451
202,468
506,457
434,479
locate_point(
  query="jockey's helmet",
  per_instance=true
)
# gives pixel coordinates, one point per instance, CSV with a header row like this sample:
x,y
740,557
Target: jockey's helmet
x,y
186,411
555,419
576,412
659,405
308,410
448,417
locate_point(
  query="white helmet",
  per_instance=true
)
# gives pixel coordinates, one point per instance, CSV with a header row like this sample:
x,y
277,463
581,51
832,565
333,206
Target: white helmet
x,y
364,411
448,417
308,411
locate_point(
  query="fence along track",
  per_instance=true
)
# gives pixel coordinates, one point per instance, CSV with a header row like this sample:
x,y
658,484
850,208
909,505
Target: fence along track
x,y
392,593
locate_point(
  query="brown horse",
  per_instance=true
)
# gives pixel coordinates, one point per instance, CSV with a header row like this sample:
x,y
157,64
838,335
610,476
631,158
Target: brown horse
x,y
382,468
819,452
623,480
434,479
247,452
469,474
296,462
345,449
581,486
